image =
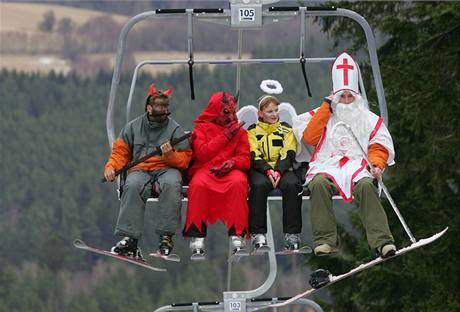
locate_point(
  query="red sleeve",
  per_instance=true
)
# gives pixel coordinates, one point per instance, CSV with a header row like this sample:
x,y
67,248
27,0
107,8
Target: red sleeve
x,y
314,130
203,149
242,152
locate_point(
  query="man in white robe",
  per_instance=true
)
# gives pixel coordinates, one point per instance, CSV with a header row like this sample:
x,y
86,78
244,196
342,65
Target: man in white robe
x,y
339,166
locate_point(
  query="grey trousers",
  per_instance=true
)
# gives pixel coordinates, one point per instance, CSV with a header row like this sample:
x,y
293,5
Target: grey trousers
x,y
137,190
366,198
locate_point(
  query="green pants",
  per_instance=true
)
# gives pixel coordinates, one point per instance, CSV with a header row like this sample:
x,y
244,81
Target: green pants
x,y
371,212
137,189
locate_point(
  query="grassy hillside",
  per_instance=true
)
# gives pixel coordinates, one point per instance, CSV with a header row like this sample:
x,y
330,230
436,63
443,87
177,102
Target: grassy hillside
x,y
26,16
88,46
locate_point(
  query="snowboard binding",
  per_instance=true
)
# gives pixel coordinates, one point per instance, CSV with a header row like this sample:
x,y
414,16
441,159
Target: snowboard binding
x,y
127,247
166,244
319,278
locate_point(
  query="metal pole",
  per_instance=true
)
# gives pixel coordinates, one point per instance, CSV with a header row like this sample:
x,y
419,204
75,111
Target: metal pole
x,y
380,182
229,267
238,66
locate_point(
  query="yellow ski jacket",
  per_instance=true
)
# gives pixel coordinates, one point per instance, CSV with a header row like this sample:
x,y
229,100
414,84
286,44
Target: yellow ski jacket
x,y
273,146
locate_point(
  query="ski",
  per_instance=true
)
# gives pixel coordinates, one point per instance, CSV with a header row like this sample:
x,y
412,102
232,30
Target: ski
x,y
198,257
261,250
238,254
265,249
301,251
331,279
170,257
82,245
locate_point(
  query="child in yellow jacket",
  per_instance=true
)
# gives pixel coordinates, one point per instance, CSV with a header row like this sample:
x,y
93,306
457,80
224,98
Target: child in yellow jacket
x,y
273,151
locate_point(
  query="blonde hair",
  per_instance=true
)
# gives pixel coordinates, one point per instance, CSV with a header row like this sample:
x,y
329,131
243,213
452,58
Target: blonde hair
x,y
264,100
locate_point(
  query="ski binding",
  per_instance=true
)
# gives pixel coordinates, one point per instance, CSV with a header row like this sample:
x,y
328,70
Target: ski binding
x,y
301,251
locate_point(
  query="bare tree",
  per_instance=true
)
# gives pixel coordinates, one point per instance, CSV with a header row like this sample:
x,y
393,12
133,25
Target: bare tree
x,y
65,26
48,22
101,33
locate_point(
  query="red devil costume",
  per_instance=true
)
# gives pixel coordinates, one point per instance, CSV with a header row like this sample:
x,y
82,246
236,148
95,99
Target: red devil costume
x,y
221,158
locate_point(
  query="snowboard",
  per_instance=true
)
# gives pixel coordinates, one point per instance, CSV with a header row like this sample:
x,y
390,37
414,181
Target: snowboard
x,y
82,245
331,279
300,251
170,257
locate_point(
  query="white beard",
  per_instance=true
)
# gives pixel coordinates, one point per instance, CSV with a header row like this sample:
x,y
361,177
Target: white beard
x,y
354,115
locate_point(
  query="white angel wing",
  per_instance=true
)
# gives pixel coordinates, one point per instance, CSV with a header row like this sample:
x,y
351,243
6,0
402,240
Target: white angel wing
x,y
287,113
299,124
248,114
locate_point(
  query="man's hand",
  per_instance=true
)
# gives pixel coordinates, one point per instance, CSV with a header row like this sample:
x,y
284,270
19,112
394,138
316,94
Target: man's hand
x,y
329,99
224,169
377,173
166,148
232,129
109,174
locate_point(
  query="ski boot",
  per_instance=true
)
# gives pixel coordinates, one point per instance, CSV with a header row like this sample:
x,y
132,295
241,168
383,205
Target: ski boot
x,y
291,241
198,248
166,244
387,250
259,242
128,247
238,245
324,249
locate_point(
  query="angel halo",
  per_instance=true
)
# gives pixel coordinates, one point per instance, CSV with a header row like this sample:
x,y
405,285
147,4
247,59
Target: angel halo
x,y
271,86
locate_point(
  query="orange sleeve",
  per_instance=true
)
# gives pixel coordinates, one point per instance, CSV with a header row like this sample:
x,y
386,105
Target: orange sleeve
x,y
120,156
314,130
378,155
179,159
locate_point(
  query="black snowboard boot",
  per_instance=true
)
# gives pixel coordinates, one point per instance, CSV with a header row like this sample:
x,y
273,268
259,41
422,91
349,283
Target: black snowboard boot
x,y
166,244
291,241
128,247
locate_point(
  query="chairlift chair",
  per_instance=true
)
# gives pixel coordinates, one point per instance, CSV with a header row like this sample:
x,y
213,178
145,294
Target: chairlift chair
x,y
242,15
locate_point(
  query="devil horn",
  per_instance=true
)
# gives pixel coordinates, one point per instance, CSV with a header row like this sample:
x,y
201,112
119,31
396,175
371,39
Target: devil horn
x,y
168,91
237,96
152,89
224,98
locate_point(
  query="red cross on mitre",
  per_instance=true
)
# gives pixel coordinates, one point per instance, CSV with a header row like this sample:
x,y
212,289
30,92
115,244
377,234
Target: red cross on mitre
x,y
345,73
345,68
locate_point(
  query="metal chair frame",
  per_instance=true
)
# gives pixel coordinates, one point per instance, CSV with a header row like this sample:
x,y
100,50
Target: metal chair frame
x,y
241,301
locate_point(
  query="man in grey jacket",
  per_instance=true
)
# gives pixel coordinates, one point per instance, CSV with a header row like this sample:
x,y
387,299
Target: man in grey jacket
x,y
139,137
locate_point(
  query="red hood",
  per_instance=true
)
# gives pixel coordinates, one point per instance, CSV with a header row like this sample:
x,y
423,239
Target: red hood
x,y
214,108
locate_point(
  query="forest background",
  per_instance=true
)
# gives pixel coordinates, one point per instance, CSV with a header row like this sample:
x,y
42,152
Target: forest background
x,y
53,148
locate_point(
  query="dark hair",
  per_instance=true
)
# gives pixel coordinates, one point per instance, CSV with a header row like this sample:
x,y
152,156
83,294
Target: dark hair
x,y
157,99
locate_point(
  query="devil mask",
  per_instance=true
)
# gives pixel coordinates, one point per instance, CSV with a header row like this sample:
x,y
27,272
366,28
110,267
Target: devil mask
x,y
221,109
